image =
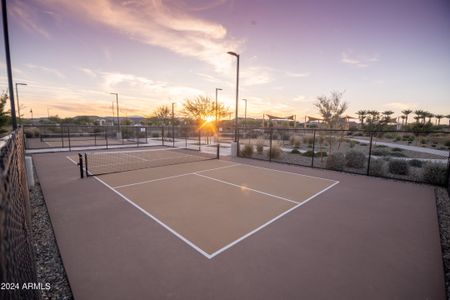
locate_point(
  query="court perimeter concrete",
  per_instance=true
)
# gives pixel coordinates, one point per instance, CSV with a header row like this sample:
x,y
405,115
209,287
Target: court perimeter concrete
x,y
366,238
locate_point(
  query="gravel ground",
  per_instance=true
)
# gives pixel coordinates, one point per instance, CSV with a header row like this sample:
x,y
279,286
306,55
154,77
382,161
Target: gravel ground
x,y
443,209
48,261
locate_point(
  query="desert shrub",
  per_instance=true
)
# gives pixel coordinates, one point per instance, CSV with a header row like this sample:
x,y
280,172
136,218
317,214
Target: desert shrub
x,y
397,138
423,141
247,151
398,167
32,132
378,152
447,143
363,144
295,141
397,154
259,145
380,146
295,151
355,159
415,163
435,173
390,135
352,144
377,168
396,149
308,140
309,153
275,152
336,161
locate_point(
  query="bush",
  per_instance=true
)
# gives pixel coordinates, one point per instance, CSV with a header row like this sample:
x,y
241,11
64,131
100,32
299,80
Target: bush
x,y
155,135
275,152
355,159
259,145
397,154
447,143
295,151
415,163
423,141
295,141
397,138
377,168
335,161
399,167
308,140
309,153
435,173
380,146
247,151
352,144
382,152
397,149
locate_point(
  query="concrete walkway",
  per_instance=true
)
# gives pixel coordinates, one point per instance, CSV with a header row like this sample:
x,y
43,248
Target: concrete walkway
x,y
443,153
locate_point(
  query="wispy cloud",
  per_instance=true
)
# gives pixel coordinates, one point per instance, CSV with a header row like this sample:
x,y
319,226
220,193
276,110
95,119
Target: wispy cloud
x,y
51,71
360,61
156,23
29,16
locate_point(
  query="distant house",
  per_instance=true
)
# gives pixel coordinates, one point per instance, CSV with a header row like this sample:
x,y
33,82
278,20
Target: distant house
x,y
101,122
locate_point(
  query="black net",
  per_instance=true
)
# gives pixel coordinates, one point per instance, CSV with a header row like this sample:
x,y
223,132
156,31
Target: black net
x,y
17,263
97,163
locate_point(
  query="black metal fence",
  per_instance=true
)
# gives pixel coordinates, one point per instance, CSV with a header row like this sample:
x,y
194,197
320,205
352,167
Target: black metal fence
x,y
17,264
73,137
411,156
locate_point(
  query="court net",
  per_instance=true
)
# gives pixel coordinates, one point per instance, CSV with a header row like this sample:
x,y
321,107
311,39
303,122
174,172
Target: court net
x,y
105,162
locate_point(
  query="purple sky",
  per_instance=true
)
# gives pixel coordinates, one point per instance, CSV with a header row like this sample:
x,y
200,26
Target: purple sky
x,y
385,55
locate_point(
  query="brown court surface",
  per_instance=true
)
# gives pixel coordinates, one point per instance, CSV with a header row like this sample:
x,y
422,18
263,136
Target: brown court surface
x,y
364,238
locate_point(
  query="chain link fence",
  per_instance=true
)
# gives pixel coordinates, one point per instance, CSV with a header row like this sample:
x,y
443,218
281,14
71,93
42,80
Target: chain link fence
x,y
17,264
410,156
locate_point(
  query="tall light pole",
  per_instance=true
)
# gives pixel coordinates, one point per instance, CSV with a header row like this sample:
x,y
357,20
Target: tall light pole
x,y
217,90
8,65
31,112
18,104
48,113
237,95
117,107
112,108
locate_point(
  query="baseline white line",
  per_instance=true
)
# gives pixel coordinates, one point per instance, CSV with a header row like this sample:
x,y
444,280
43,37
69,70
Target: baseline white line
x,y
288,172
246,188
134,151
269,222
71,160
171,177
157,220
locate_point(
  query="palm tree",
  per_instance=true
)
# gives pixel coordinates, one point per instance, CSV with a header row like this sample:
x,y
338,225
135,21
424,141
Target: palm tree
x,y
429,116
361,115
403,119
420,114
387,116
439,117
374,116
406,112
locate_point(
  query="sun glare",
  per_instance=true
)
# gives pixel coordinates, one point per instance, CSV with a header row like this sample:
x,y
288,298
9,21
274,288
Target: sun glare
x,y
209,119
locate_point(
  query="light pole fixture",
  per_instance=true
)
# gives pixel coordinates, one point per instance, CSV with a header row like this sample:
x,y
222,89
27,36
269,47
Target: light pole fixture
x,y
8,65
117,107
17,95
31,112
237,95
217,107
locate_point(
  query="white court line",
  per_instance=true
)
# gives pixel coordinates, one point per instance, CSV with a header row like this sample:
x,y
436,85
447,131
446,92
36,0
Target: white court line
x,y
157,220
135,156
246,188
71,160
269,222
134,151
171,177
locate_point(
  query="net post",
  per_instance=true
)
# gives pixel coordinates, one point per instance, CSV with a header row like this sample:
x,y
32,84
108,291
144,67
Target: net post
x,y
86,165
62,136
137,135
173,134
162,135
80,163
218,151
199,140
106,137
270,144
95,136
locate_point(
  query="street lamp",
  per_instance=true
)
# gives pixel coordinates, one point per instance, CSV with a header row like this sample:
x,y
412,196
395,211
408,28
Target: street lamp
x,y
17,95
237,96
31,112
117,107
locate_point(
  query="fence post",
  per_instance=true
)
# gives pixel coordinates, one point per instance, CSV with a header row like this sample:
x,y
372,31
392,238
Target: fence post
x,y
80,163
448,173
313,148
136,132
106,137
173,134
199,140
162,135
270,144
62,136
370,153
68,137
86,169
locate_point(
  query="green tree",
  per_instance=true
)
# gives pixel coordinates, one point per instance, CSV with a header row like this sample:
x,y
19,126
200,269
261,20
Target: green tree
x,y
203,108
406,112
420,115
361,116
331,108
162,114
438,118
4,115
387,116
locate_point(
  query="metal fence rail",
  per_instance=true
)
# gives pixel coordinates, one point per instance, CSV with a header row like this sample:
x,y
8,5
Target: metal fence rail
x,y
410,156
17,264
